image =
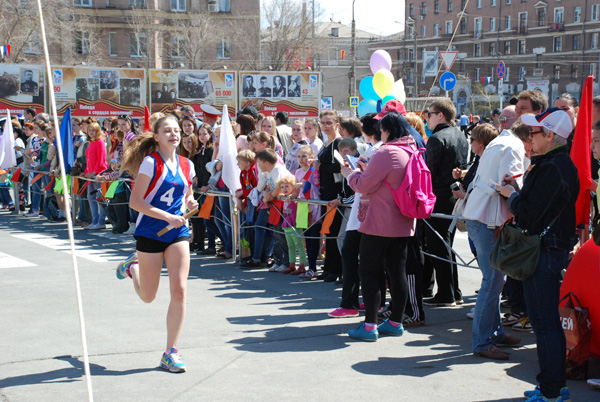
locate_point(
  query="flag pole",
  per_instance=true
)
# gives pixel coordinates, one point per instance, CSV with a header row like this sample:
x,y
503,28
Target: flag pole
x,y
63,175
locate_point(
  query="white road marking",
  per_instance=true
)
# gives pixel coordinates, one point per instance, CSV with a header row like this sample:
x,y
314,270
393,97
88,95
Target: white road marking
x,y
10,261
89,253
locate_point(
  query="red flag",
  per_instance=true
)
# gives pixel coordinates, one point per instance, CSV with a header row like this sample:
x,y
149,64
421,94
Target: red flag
x,y
274,214
16,176
147,119
581,155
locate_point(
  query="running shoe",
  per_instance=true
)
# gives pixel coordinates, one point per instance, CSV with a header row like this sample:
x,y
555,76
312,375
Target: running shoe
x,y
362,334
523,326
387,328
123,269
341,312
172,362
536,395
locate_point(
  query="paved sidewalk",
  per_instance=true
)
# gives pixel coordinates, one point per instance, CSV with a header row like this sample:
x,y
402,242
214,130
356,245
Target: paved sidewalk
x,y
248,336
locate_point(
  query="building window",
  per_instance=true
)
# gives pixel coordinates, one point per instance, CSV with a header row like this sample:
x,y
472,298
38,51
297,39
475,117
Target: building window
x,y
493,3
424,31
522,73
592,69
574,71
450,6
508,2
137,3
463,65
538,61
224,6
507,22
559,14
411,11
463,4
82,3
436,7
478,3
595,10
521,49
492,24
492,74
463,25
449,27
112,44
82,42
477,32
33,44
594,41
424,8
436,30
577,14
224,48
507,47
541,13
177,46
506,77
492,49
178,5
477,50
557,44
575,42
411,55
137,45
556,72
477,74
522,23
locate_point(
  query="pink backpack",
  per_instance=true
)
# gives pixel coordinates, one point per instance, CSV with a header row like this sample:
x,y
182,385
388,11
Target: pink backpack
x,y
415,196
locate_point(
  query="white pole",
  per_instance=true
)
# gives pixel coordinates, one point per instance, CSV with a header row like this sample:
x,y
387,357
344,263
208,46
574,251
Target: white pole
x,y
63,175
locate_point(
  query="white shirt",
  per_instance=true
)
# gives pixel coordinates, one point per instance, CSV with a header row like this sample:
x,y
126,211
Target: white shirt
x,y
504,155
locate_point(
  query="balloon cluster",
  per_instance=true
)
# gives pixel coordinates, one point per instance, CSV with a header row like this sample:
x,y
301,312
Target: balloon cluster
x,y
379,88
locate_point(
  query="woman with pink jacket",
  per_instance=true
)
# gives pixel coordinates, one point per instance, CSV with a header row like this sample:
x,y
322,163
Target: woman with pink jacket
x,y
95,155
385,231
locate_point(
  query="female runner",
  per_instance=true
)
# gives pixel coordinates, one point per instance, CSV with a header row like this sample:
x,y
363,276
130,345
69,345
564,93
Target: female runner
x,y
161,194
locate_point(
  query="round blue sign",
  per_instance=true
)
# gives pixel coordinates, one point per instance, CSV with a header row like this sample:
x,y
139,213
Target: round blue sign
x,y
448,81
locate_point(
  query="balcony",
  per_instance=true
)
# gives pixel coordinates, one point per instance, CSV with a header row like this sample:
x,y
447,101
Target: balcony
x,y
476,34
556,27
522,30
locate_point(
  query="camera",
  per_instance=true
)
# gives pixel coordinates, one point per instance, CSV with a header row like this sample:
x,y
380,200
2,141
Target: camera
x,y
455,186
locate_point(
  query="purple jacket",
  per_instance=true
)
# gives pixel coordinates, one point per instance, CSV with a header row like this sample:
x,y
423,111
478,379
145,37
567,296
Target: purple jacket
x,y
378,213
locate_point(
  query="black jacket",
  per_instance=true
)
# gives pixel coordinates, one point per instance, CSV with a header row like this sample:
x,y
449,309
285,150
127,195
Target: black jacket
x,y
447,148
550,187
202,157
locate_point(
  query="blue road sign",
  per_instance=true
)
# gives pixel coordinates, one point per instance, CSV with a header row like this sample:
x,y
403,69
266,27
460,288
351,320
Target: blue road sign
x,y
448,81
354,101
500,70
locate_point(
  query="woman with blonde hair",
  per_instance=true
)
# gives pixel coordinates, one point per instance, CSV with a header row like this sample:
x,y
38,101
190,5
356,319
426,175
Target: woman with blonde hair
x,y
269,126
415,121
95,155
162,192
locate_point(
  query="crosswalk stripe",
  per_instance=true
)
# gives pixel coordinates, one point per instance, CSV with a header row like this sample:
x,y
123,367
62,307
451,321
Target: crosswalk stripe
x,y
10,261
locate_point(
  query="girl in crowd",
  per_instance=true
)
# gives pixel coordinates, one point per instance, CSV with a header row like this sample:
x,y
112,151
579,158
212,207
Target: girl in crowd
x,y
385,230
291,159
127,126
95,155
331,185
313,134
263,140
28,128
246,126
204,227
162,192
269,126
188,126
188,146
284,189
351,128
415,121
33,152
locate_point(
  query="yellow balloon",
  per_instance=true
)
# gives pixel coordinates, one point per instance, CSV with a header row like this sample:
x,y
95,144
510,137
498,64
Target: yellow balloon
x,y
383,82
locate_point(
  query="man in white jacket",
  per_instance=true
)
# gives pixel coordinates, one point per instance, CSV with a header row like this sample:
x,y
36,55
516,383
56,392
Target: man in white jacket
x,y
485,211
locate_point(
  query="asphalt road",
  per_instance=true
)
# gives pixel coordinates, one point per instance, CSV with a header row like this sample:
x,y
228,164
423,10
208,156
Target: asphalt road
x,y
248,336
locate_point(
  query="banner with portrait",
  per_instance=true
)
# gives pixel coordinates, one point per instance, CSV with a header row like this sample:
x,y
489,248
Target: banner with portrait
x,y
296,92
21,87
173,89
99,91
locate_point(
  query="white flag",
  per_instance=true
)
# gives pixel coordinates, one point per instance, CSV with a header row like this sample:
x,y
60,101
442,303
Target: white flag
x,y
8,158
228,154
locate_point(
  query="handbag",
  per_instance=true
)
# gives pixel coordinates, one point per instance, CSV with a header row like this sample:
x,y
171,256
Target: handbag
x,y
575,320
516,253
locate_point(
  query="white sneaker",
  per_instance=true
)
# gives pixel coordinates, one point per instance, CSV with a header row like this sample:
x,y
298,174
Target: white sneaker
x,y
91,226
131,229
273,268
281,268
471,314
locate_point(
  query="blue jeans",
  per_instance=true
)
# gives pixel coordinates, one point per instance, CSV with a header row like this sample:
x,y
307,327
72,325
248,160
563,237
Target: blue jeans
x,y
487,326
223,221
263,238
36,189
98,216
5,196
541,296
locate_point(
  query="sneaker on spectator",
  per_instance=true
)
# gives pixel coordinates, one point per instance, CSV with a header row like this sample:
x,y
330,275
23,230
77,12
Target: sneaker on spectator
x,y
471,314
523,326
388,329
362,334
436,302
131,229
281,268
341,312
512,319
536,395
32,214
408,322
172,362
123,269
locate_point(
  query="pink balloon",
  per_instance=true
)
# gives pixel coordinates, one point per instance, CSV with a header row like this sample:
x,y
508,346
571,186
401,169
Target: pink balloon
x,y
380,60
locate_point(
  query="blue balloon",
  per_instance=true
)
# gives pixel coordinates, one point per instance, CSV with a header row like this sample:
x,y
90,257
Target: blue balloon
x,y
367,106
387,99
366,88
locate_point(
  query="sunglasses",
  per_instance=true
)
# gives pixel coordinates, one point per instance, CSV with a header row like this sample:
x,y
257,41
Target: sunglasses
x,y
504,119
533,132
430,113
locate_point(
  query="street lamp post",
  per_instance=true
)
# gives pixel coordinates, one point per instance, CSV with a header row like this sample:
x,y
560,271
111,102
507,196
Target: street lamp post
x,y
353,51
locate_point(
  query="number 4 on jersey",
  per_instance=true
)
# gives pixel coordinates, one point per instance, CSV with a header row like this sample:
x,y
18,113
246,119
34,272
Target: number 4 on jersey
x,y
168,196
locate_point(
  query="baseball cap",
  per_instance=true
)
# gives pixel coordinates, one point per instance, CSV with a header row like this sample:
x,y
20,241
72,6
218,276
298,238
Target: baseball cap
x,y
554,119
392,105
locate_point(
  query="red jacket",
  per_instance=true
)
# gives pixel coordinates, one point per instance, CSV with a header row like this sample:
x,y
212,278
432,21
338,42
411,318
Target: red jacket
x,y
249,180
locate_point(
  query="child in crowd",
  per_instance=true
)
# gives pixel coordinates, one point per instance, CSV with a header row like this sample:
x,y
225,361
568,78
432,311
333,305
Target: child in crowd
x,y
270,172
291,160
248,181
262,140
313,135
117,209
309,190
285,190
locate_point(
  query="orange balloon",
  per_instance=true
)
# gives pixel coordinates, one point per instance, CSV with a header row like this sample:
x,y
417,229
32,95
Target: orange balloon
x,y
583,279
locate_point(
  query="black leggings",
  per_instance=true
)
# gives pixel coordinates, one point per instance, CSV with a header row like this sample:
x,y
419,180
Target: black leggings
x,y
378,255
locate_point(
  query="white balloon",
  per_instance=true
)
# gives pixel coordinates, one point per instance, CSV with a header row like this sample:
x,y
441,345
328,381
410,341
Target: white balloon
x,y
398,91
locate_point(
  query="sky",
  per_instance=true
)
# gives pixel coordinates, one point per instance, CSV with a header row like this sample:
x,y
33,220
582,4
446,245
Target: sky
x,y
374,16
